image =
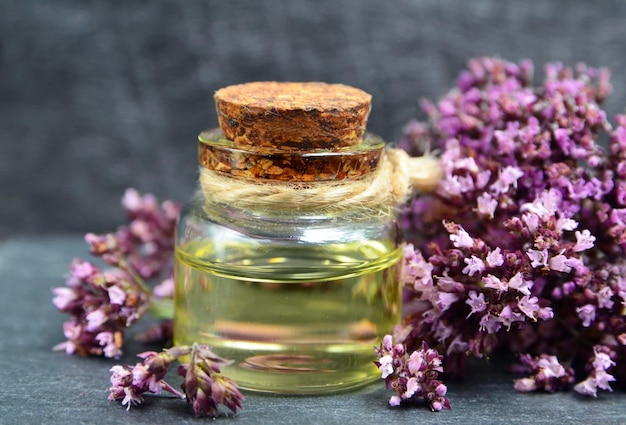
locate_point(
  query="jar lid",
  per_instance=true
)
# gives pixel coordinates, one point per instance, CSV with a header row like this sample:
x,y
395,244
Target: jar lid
x,y
218,153
289,116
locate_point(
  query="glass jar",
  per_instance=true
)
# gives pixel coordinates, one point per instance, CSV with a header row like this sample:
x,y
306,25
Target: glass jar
x,y
296,293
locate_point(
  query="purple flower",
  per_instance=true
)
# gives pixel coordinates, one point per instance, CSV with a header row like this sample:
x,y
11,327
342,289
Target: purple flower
x,y
584,241
545,206
101,305
587,314
413,377
474,265
165,289
529,306
598,376
508,316
415,269
490,324
95,319
518,283
495,258
538,258
395,401
508,178
548,374
130,383
64,298
445,300
587,387
385,365
566,224
203,385
117,295
559,263
604,296
461,239
493,282
476,302
486,205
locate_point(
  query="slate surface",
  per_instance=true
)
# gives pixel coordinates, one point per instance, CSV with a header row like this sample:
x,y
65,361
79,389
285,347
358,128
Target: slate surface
x,y
99,96
38,386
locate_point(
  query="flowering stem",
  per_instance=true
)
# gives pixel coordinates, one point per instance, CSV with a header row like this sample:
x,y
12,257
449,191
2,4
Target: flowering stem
x,y
136,278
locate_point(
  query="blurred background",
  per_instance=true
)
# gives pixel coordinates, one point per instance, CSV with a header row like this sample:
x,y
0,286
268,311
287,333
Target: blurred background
x,y
99,96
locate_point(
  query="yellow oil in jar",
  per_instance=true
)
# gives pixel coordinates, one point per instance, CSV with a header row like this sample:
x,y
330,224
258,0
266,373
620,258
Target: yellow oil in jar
x,y
297,320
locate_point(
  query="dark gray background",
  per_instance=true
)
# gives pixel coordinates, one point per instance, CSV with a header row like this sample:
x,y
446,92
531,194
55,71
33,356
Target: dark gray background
x,y
99,96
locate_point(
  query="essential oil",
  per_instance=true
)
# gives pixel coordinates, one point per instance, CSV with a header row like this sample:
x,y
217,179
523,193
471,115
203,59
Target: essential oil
x,y
298,321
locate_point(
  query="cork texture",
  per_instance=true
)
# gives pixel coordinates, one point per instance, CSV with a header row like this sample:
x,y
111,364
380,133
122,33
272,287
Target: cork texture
x,y
217,154
289,116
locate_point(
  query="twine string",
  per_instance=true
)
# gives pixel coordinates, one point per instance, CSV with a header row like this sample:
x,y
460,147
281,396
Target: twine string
x,y
396,177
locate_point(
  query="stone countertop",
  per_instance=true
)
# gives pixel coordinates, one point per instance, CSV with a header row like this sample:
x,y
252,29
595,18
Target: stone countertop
x,y
39,386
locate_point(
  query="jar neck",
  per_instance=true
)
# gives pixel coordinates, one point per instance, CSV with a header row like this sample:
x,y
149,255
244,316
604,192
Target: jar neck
x,y
288,226
279,213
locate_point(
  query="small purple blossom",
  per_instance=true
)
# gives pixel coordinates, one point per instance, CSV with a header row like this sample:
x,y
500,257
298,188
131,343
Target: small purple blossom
x,y
566,224
205,388
538,258
584,241
476,302
474,265
604,297
508,178
116,295
521,285
64,297
545,206
508,316
110,343
529,306
495,258
490,323
461,239
486,205
547,374
559,263
587,314
494,282
385,365
598,376
416,269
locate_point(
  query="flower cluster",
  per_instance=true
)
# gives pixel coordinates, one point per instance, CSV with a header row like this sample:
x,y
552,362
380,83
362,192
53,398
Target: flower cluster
x,y
413,377
547,374
146,244
204,387
103,303
522,245
598,376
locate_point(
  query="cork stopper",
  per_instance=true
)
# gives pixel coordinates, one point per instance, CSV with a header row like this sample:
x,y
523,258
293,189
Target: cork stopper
x,y
288,116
